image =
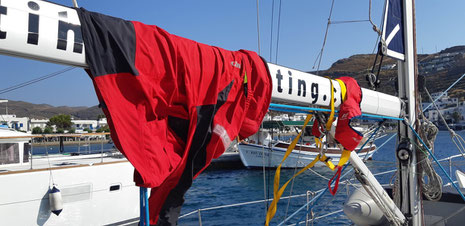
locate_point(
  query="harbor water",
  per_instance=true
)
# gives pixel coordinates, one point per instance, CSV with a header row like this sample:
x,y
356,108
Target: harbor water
x,y
215,188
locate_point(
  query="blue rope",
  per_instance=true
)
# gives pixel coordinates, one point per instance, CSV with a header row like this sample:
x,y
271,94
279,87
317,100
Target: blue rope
x,y
436,160
288,110
299,109
371,117
316,198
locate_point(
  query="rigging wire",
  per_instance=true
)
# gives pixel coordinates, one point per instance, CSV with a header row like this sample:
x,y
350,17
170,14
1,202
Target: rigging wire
x,y
320,55
30,82
265,193
258,29
457,139
279,28
268,171
295,171
271,32
348,21
320,194
375,28
444,92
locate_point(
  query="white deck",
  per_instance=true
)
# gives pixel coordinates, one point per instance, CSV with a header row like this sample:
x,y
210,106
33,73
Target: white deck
x,y
62,161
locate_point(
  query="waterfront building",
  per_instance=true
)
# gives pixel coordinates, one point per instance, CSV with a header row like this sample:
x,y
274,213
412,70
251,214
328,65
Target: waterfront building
x,y
17,123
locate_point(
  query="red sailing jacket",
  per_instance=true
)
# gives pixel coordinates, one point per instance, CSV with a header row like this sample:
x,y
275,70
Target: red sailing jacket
x,y
348,137
345,134
172,104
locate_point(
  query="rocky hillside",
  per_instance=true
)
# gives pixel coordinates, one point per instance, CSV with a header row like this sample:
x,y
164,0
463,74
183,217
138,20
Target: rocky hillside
x,y
440,70
42,111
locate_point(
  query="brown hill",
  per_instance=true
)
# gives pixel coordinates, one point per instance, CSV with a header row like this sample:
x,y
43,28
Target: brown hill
x,y
42,111
436,79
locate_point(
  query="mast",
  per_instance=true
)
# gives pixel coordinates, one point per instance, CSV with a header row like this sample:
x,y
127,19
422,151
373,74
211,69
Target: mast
x,y
408,191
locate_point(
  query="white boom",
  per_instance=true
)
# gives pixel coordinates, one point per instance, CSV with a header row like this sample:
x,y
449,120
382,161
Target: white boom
x,y
50,32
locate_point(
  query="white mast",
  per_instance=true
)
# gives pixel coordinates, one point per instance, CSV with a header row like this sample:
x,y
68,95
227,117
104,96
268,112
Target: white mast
x,y
408,189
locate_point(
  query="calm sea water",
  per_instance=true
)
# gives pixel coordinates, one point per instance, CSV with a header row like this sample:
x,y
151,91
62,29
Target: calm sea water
x,y
224,187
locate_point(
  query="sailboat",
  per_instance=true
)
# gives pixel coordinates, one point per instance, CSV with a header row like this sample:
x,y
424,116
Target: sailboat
x,y
260,151
60,20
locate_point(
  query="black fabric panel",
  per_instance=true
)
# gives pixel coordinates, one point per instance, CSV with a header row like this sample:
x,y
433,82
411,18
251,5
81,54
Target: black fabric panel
x,y
110,43
179,126
204,126
196,158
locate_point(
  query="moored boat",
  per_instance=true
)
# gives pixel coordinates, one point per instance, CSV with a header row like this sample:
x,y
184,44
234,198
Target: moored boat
x,y
90,185
254,155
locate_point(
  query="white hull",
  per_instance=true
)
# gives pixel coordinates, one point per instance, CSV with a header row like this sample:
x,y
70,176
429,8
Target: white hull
x,y
85,190
253,155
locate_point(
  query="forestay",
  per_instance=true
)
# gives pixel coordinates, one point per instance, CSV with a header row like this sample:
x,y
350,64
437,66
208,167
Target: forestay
x,y
50,32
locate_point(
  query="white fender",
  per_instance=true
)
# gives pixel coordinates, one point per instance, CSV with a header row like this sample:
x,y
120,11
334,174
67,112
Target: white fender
x,y
56,202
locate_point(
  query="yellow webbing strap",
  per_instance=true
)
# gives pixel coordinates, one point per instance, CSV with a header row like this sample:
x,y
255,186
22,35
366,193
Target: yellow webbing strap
x,y
273,206
327,162
344,157
317,143
331,101
343,89
272,210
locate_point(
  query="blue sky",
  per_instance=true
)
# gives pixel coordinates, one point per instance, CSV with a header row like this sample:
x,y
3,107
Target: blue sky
x,y
233,25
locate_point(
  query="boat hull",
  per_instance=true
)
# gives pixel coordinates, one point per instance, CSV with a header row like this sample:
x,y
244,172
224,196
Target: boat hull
x,y
97,194
253,156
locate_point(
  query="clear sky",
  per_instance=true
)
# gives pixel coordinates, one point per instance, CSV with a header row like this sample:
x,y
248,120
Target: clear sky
x,y
233,25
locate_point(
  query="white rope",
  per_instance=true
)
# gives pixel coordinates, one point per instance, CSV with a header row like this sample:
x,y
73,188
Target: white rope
x,y
51,181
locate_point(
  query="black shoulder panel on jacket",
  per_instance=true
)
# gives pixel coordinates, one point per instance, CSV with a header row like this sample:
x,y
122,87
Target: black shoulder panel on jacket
x,y
110,43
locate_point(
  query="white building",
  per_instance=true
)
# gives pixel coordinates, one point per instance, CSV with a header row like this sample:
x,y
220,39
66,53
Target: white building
x,y
80,125
102,123
447,106
17,123
41,123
